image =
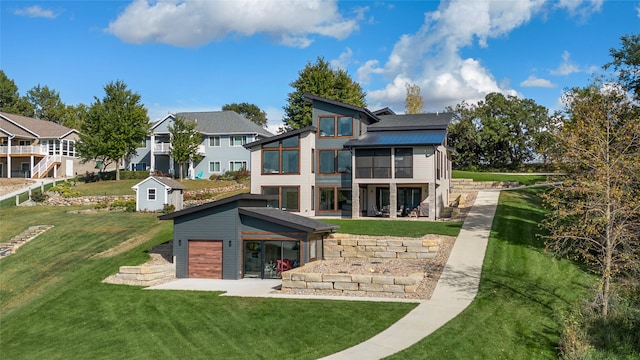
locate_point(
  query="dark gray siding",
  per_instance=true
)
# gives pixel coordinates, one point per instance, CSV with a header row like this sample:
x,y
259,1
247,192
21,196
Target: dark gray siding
x,y
219,223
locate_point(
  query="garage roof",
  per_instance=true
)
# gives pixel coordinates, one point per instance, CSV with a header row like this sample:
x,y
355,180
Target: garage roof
x,y
288,219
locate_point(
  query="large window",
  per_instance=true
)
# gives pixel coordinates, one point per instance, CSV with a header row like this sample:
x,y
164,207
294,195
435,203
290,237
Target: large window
x,y
334,161
281,157
404,163
334,199
238,140
288,198
60,147
237,165
214,166
214,141
373,163
335,126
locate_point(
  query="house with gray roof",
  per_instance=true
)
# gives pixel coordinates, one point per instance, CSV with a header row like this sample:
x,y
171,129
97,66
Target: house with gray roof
x,y
223,135
353,162
35,148
242,237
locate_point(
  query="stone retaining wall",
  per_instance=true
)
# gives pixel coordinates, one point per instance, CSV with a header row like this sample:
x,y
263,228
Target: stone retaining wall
x,y
144,275
463,185
346,246
350,284
57,200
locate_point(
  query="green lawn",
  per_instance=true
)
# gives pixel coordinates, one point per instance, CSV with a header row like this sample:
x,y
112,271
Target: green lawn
x,y
54,306
396,227
123,187
522,292
482,176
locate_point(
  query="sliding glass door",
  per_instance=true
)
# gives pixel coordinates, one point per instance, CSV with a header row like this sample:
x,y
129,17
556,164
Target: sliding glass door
x,y
267,259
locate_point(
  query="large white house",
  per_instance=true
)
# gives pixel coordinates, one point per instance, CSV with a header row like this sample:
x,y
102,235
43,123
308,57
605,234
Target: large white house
x,y
353,162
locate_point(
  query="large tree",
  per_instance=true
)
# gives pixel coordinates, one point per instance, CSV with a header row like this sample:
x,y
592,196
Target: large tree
x,y
114,126
414,104
321,80
10,99
595,213
46,103
250,111
626,62
498,132
74,116
185,140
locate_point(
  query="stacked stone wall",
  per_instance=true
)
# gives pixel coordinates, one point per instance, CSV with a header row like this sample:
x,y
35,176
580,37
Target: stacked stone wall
x,y
346,246
143,275
351,284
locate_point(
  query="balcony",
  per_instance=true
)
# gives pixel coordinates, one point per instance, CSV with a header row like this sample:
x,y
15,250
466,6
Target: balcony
x,y
23,150
161,148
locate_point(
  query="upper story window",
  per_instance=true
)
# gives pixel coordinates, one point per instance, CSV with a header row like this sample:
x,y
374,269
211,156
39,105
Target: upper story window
x,y
151,194
281,157
373,163
403,162
238,140
334,161
335,126
59,147
214,141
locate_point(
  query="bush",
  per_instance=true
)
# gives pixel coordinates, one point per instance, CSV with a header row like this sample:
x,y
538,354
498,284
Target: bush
x,y
134,175
65,190
129,205
168,208
38,196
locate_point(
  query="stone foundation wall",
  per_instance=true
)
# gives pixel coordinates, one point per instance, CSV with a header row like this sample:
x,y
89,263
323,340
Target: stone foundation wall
x,y
346,246
350,284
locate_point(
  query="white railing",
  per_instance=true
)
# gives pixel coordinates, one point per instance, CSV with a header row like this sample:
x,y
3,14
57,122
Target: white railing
x,y
161,148
43,165
23,150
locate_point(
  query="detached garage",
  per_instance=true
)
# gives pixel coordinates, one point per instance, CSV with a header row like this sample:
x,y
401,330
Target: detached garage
x,y
241,237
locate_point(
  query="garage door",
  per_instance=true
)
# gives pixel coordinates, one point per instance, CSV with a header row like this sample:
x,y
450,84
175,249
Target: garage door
x,y
205,259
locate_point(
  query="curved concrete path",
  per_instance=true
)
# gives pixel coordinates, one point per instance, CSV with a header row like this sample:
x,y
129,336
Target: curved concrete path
x,y
457,287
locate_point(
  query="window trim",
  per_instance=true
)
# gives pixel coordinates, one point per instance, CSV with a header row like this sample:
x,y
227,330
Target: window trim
x,y
232,140
336,190
149,194
213,163
232,163
336,163
280,149
213,138
280,193
335,126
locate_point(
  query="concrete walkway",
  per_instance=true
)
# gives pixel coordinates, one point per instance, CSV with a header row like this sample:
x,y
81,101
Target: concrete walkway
x,y
457,287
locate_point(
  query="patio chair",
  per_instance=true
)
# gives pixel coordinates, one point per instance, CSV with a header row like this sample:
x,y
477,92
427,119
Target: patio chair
x,y
199,175
283,265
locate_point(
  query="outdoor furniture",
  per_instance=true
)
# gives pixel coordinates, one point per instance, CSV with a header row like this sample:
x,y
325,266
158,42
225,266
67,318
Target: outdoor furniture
x,y
284,265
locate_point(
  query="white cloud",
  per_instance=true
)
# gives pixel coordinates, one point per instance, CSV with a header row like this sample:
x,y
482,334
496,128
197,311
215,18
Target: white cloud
x,y
431,58
191,23
581,9
36,12
343,60
566,67
533,81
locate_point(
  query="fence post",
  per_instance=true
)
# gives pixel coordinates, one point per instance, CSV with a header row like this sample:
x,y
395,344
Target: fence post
x,y
29,193
17,199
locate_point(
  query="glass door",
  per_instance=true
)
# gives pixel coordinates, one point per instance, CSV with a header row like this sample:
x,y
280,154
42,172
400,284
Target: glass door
x,y
268,259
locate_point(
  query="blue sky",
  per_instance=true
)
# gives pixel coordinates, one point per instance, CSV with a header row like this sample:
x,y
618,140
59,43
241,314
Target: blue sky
x,y
199,55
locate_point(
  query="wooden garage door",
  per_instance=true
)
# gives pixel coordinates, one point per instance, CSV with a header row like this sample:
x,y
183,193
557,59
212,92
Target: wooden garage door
x,y
205,259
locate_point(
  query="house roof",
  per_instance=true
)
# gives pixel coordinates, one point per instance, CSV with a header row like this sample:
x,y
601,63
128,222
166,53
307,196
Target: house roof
x,y
281,136
365,111
167,182
23,126
224,122
399,138
384,111
284,218
412,122
214,204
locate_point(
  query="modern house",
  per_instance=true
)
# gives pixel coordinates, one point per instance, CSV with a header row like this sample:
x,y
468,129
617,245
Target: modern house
x,y
154,192
353,162
34,148
223,135
241,237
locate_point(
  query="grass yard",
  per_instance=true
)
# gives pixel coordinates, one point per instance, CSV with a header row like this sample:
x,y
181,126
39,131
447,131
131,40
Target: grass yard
x,y
522,293
396,227
123,187
54,306
481,176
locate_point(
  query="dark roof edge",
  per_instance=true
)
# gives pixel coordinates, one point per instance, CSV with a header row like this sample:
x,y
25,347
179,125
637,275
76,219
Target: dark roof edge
x,y
405,128
213,204
247,211
280,136
311,97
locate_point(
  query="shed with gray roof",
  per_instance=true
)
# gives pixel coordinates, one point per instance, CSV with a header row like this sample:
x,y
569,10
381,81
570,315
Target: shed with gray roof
x,y
241,237
154,192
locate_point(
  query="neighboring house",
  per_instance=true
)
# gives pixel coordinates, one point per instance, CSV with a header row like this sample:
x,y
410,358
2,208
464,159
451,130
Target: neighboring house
x,y
241,237
35,148
223,135
154,192
352,162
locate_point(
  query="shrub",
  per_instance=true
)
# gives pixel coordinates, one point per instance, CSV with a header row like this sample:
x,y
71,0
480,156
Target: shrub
x,y
129,205
65,190
168,208
135,175
38,196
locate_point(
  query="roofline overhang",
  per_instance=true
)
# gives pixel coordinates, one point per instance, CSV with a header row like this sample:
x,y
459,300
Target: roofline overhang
x,y
279,221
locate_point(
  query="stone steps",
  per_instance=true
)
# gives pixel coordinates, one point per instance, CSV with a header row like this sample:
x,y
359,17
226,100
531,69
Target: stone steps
x,y
31,233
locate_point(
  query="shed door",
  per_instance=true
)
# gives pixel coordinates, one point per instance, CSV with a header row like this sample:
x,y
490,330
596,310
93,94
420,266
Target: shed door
x,y
205,259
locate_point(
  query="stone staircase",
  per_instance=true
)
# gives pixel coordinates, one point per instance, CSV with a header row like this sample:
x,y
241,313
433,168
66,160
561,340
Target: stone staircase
x,y
10,247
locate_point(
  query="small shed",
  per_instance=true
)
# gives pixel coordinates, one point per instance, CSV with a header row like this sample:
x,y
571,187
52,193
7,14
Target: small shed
x,y
240,237
154,192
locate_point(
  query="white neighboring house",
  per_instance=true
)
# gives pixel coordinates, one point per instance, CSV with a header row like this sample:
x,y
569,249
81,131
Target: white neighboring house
x,y
34,148
353,162
223,135
154,192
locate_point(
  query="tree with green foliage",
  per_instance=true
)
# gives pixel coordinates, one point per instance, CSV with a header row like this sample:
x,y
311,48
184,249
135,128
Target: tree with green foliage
x,y
46,103
74,116
595,212
250,111
10,99
185,141
414,104
626,62
497,132
114,127
321,80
